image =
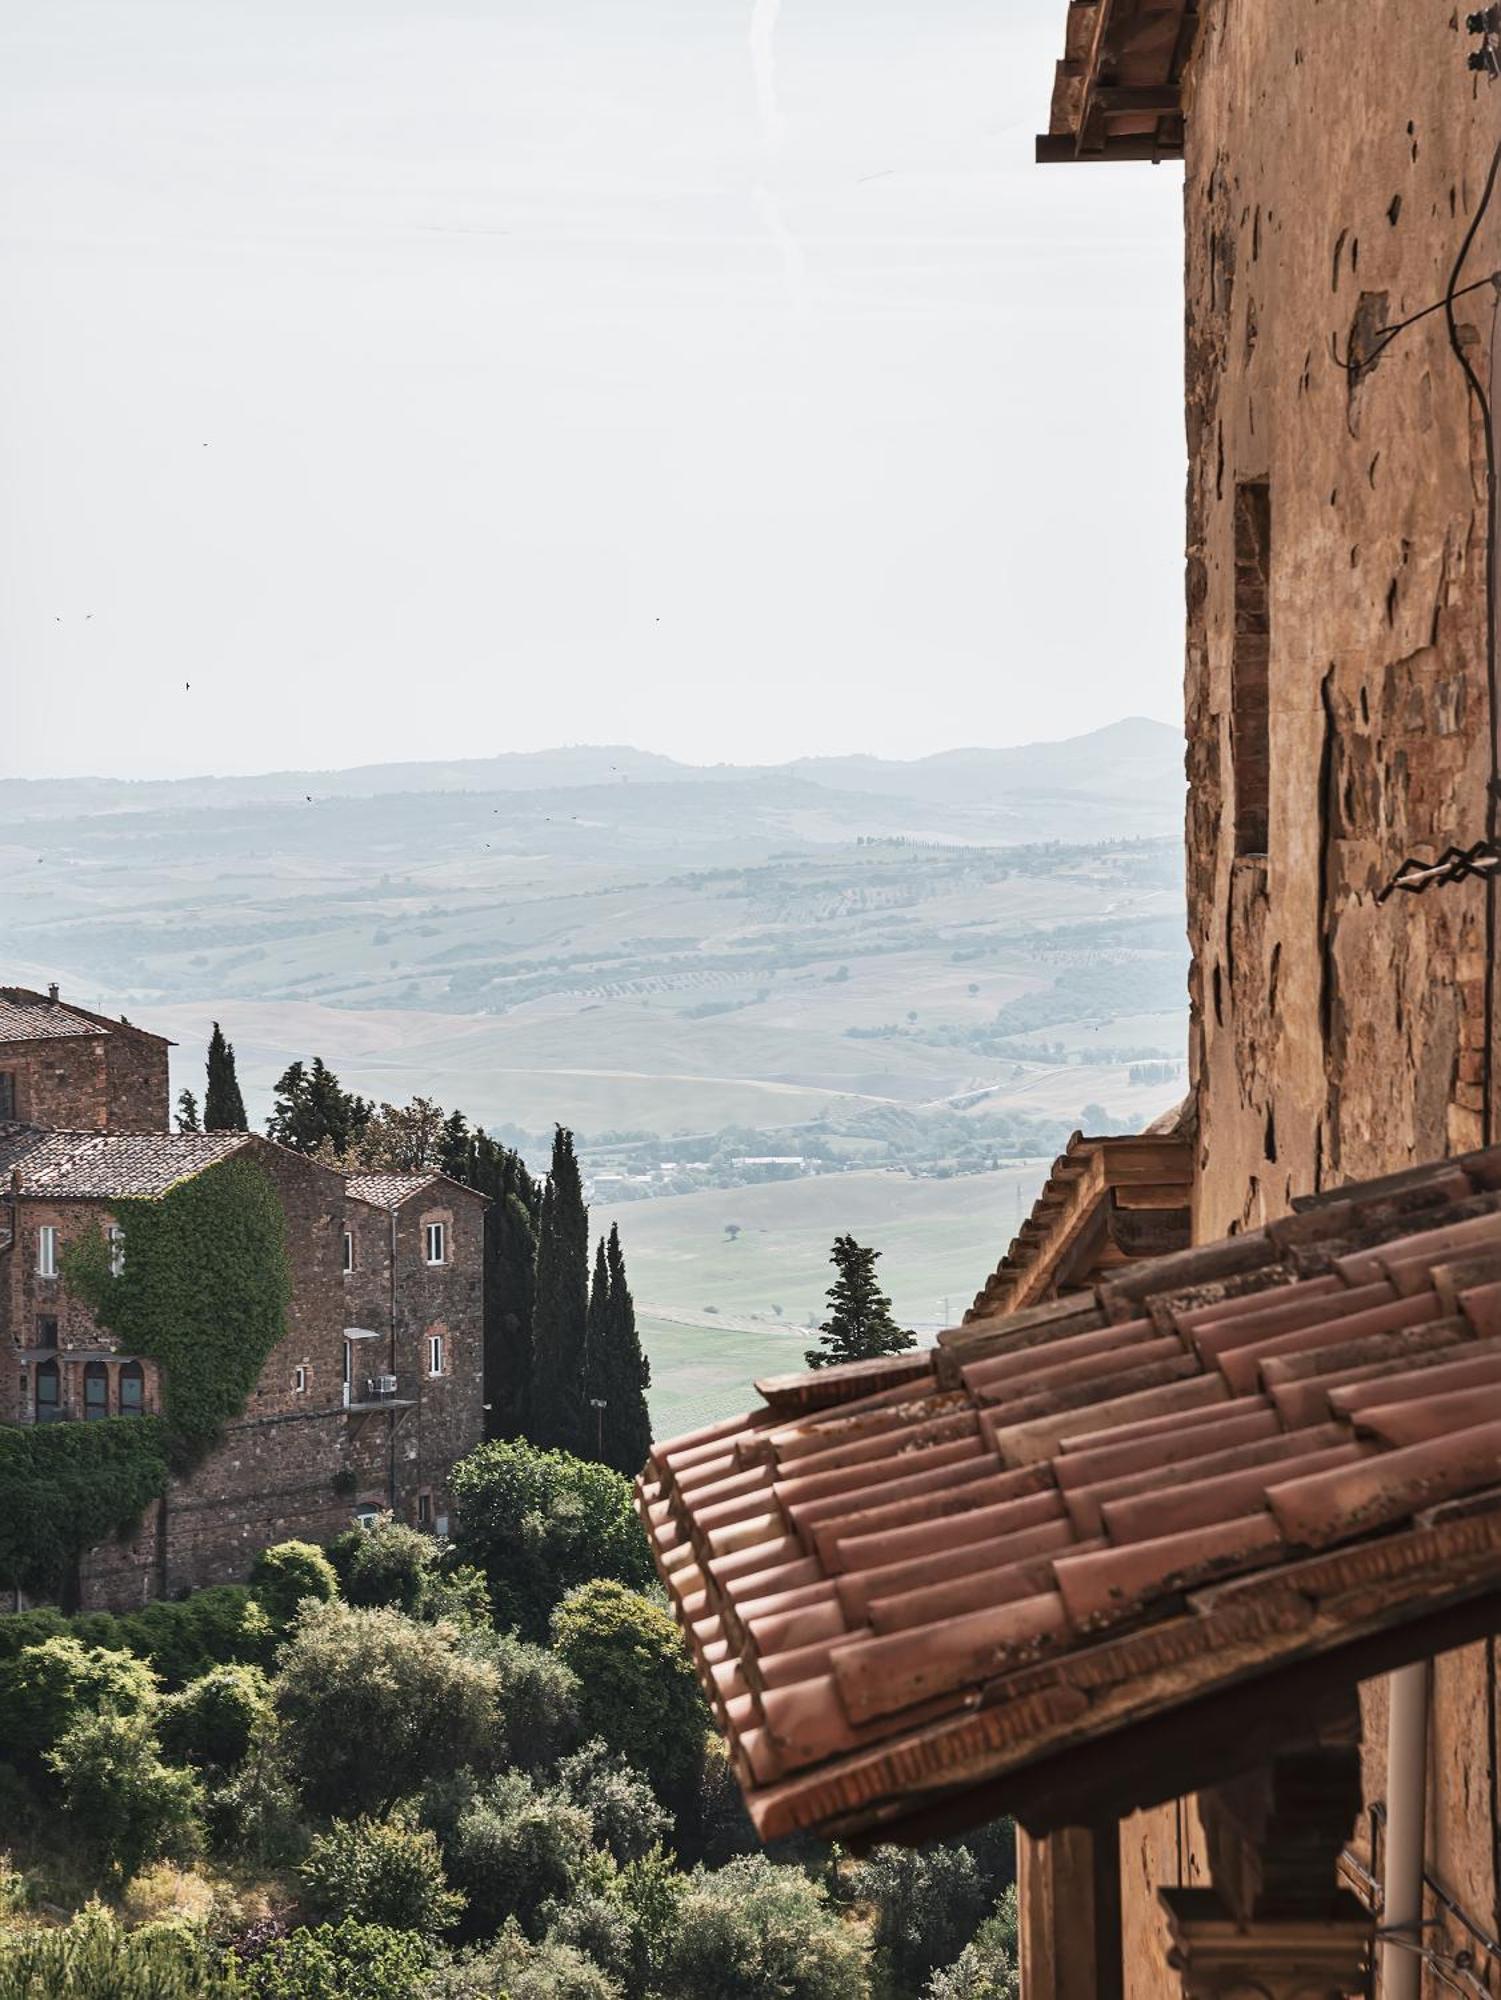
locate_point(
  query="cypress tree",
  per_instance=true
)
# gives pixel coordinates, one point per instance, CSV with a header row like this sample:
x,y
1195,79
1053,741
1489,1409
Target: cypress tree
x,y
859,1325
623,1372
510,1282
560,1318
597,1414
223,1106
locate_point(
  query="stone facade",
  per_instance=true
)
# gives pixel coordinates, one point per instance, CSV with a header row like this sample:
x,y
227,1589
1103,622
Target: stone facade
x,y
1338,718
322,1437
62,1066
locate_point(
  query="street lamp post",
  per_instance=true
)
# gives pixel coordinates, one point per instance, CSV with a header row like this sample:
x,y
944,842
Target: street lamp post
x,y
599,1404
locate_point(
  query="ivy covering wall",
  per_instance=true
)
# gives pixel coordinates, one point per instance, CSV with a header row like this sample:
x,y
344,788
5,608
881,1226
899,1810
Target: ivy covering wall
x,y
64,1487
204,1291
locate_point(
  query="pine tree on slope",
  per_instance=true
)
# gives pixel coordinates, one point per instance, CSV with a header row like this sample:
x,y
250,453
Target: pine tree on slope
x,y
187,1112
223,1106
859,1326
560,1318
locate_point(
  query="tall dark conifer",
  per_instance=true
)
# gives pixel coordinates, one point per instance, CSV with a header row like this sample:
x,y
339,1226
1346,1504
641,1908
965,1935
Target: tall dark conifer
x,y
223,1106
560,1319
619,1371
596,1416
510,1273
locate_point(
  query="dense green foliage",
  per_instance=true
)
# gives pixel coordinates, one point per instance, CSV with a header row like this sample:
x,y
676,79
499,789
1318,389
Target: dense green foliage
x,y
96,1958
204,1289
345,1961
927,1903
211,1722
560,1419
515,1847
371,1705
312,1111
223,1106
387,1564
380,1871
66,1487
988,1968
537,1523
48,1687
859,1326
751,1930
286,1576
636,1689
124,1804
180,1638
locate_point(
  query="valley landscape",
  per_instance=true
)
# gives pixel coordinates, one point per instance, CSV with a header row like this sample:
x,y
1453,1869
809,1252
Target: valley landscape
x,y
774,1004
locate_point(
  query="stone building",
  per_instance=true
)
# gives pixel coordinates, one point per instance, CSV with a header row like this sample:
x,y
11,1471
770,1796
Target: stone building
x,y
63,1066
370,1392
1191,1562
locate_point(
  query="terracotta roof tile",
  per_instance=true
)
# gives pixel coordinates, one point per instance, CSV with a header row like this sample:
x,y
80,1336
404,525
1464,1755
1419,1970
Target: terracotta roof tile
x,y
100,1166
901,1585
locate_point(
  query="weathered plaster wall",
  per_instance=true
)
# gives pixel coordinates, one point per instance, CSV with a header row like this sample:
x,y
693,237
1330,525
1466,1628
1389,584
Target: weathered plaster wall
x,y
1334,162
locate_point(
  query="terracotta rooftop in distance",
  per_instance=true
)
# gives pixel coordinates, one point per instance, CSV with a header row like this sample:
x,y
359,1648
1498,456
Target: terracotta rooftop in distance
x,y
39,1017
60,1166
1106,1202
1073,1557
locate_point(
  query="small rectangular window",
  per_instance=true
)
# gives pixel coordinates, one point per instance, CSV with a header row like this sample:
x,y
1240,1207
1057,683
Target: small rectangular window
x,y
424,1510
348,1250
132,1389
437,1243
435,1354
7,1093
116,1250
46,1330
95,1390
299,1381
1250,663
46,1251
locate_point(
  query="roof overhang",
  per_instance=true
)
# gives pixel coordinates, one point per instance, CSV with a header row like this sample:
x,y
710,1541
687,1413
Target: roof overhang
x,y
1117,93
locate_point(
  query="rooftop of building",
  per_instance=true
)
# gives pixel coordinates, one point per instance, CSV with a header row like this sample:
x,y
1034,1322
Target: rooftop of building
x,y
1078,1558
26,1016
1117,91
49,1165
392,1190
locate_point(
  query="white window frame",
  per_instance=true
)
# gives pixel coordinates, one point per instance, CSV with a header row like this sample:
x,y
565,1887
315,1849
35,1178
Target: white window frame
x,y
116,1238
46,1250
435,1234
436,1354
299,1379
348,1251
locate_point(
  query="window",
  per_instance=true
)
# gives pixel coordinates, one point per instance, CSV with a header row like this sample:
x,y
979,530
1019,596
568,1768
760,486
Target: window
x,y
367,1513
299,1381
131,1389
348,1251
46,1330
46,1252
424,1509
95,1390
435,1354
7,1093
1250,657
116,1250
437,1243
49,1398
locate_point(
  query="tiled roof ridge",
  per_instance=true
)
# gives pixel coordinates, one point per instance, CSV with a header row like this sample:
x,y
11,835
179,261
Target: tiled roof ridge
x,y
56,1163
410,1184
926,1573
49,1017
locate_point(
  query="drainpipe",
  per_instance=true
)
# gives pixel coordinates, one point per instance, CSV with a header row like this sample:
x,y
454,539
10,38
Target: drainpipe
x,y
1406,1804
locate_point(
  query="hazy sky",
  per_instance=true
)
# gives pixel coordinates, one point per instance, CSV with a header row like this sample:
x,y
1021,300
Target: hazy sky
x,y
437,379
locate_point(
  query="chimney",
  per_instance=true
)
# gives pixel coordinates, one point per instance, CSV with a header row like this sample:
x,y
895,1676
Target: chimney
x,y
52,992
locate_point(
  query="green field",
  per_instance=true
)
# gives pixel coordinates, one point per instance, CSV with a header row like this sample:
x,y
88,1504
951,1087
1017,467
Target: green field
x,y
939,1239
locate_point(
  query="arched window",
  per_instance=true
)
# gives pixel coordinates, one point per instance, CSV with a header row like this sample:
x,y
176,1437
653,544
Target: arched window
x,y
49,1392
132,1389
95,1390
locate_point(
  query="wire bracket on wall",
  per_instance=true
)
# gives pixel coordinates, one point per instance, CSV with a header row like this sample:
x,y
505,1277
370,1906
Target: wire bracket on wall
x,y
1455,864
1486,60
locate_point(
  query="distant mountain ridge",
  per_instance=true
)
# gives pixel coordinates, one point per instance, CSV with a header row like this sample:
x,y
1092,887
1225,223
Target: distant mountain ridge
x,y
1136,760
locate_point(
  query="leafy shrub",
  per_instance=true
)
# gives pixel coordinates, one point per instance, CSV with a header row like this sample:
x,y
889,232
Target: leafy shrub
x,y
96,1958
927,1902
512,1968
636,1688
514,1848
621,1805
284,1576
537,1523
256,1815
210,1722
370,1705
988,1966
47,1688
539,1699
20,1629
65,1487
165,1892
346,1961
125,1805
714,1827
386,1872
754,1931
183,1637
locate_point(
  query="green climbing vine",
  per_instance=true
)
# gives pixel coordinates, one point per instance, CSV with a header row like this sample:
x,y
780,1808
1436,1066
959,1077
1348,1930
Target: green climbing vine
x,y
64,1487
203,1289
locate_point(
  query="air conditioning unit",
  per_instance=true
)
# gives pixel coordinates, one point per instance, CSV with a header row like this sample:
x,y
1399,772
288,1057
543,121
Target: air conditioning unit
x,y
385,1385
